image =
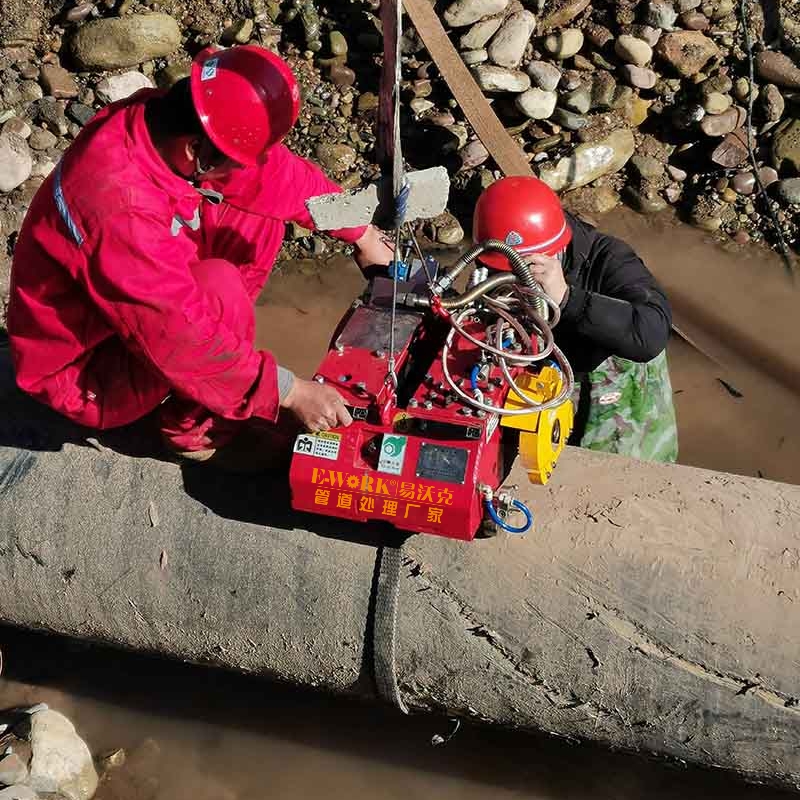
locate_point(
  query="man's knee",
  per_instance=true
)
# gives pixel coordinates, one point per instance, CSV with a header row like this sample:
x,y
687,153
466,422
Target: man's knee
x,y
221,282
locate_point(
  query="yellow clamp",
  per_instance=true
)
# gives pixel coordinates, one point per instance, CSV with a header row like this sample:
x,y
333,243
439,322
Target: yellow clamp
x,y
543,434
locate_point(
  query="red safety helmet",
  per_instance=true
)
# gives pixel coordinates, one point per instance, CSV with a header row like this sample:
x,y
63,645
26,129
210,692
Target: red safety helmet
x,y
523,212
247,99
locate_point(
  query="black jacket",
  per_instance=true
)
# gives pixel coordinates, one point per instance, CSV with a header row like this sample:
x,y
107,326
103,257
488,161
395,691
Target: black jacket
x,y
614,305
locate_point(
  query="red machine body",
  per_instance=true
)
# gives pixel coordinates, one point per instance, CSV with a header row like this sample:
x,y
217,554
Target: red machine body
x,y
414,458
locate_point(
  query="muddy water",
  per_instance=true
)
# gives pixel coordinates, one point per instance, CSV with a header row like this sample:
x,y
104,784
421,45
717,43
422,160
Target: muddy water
x,y
221,736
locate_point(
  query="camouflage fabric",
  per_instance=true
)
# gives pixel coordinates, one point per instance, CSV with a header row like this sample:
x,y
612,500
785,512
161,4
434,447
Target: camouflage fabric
x,y
631,410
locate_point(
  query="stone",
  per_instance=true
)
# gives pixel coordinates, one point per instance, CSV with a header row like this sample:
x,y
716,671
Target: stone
x,y
419,105
732,151
632,50
17,127
741,237
50,113
686,116
42,139
598,35
645,201
646,167
661,14
590,161
118,87
722,9
772,102
768,176
603,88
778,68
30,92
473,57
442,119
171,74
710,223
13,770
121,42
676,173
564,44
639,77
491,78
335,158
563,14
480,33
460,134
337,43
545,75
741,89
695,21
788,190
569,119
744,183
16,162
687,52
240,32
466,12
716,103
43,168
80,12
646,33
342,76
58,82
80,113
450,232
536,103
728,195
578,100
19,792
637,110
367,102
592,200
786,147
582,63
508,45
720,124
473,154
61,760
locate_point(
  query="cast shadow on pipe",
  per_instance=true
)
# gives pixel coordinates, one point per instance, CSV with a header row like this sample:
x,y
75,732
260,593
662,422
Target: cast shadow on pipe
x,y
28,428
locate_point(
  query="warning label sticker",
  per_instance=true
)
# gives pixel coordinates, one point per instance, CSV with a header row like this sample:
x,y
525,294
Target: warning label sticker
x,y
393,453
321,445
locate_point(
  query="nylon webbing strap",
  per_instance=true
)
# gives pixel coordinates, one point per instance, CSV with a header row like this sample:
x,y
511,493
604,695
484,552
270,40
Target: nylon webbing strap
x,y
387,590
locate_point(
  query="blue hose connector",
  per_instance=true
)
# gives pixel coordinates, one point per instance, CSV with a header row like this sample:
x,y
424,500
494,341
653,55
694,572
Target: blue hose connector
x,y
521,507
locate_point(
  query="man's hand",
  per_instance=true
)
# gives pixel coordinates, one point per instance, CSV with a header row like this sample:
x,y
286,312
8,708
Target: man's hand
x,y
373,249
548,271
317,406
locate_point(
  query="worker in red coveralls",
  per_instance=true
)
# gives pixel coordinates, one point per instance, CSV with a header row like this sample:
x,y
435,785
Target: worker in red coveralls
x,y
141,256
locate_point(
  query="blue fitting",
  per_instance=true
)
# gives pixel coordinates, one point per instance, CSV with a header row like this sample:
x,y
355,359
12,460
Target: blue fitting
x,y
521,507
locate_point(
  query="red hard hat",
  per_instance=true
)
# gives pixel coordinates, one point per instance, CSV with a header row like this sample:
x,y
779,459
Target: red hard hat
x,y
523,212
247,99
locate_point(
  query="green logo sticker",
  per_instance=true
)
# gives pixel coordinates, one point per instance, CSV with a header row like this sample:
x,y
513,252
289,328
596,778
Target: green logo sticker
x,y
393,453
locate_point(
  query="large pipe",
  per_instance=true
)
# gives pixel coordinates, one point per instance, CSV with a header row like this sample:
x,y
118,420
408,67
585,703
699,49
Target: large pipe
x,y
655,608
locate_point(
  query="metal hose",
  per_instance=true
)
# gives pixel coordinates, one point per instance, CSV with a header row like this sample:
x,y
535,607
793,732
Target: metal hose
x,y
453,303
517,262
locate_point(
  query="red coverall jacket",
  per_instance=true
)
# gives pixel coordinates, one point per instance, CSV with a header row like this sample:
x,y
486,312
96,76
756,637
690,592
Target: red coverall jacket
x,y
104,260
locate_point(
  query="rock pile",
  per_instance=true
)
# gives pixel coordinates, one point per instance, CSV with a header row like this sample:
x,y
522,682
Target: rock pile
x,y
637,100
43,756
